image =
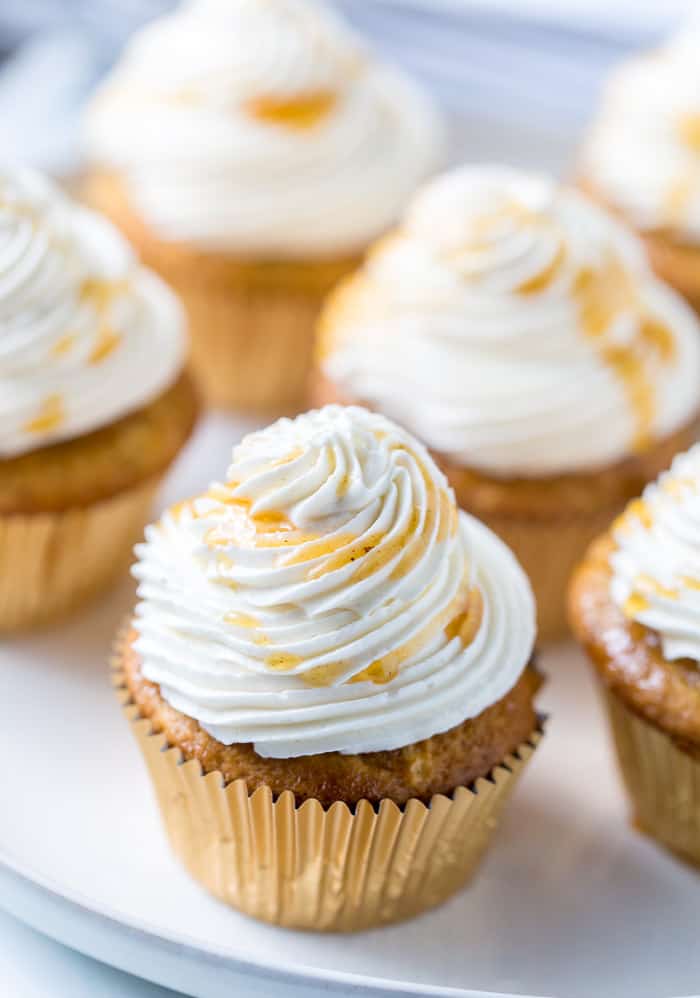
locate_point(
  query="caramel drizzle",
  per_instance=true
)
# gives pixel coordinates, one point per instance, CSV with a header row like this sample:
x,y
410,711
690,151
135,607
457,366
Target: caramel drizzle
x,y
106,343
63,345
283,662
481,235
541,281
245,620
50,417
372,551
464,624
100,293
300,112
686,187
602,294
268,529
644,586
638,512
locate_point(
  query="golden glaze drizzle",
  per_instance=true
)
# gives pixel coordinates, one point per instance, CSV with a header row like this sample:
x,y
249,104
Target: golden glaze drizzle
x,y
464,623
282,662
246,620
688,128
434,520
686,187
321,548
63,345
100,293
485,227
51,416
242,528
300,112
635,604
677,487
602,295
295,453
106,343
645,586
542,280
636,511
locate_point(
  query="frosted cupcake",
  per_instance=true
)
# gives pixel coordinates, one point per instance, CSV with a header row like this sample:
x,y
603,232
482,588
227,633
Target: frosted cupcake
x,y
517,330
635,606
251,149
93,402
642,156
340,660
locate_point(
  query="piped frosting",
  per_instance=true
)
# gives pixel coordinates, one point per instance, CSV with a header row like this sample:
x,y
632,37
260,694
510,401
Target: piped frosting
x,y
328,596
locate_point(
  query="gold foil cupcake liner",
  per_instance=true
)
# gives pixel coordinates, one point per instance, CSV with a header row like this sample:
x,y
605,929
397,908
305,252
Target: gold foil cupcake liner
x,y
662,780
251,350
548,552
309,867
52,562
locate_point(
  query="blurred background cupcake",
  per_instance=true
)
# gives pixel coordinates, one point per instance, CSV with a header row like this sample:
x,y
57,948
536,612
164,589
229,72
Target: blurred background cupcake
x,y
94,404
329,647
517,329
635,607
250,150
642,156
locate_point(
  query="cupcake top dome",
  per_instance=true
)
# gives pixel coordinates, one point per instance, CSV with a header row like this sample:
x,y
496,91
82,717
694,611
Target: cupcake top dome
x,y
643,153
516,328
86,334
328,596
656,561
262,127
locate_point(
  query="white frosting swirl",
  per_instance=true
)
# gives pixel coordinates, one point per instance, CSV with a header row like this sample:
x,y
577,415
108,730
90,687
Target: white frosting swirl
x,y
643,153
329,597
262,126
656,564
87,334
514,326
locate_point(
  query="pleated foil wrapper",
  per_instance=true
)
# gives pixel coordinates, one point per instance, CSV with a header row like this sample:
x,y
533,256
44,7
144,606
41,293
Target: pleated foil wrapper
x,y
332,869
662,780
50,563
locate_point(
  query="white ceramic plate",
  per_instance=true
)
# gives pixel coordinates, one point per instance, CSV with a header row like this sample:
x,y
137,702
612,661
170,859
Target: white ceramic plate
x,y
570,902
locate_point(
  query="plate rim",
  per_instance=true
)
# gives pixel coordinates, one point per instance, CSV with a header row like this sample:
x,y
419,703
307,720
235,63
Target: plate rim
x,y
117,924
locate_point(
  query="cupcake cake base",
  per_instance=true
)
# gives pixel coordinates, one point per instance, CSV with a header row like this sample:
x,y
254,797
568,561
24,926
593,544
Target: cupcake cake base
x,y
71,513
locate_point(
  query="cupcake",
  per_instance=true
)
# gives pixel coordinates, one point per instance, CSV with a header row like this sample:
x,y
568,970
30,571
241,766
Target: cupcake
x,y
642,156
517,330
250,150
329,674
635,607
94,404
